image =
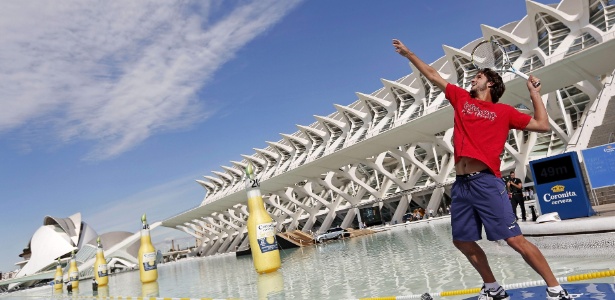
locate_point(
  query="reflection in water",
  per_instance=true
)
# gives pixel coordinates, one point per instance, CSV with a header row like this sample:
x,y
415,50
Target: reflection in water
x,y
103,291
406,260
72,291
150,289
269,284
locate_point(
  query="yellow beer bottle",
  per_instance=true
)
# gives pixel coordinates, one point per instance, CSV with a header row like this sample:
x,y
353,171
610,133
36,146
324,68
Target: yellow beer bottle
x,y
58,278
261,229
101,272
147,255
73,272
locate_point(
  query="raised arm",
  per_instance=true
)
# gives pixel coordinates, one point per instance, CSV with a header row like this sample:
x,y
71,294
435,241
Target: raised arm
x,y
540,121
428,71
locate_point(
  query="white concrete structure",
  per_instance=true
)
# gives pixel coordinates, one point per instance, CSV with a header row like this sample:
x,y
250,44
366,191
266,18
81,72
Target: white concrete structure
x,y
58,237
393,148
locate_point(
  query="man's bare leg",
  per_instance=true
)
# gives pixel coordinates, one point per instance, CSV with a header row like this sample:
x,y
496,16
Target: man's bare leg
x,y
477,258
534,258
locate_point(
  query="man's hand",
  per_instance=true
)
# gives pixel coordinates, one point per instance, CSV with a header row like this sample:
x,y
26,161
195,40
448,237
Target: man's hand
x,y
428,71
531,84
401,48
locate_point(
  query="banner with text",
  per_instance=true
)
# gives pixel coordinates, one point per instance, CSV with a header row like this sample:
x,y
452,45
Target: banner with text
x,y
600,165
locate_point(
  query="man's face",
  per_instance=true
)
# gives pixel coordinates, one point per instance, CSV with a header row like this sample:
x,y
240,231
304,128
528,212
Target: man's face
x,y
479,83
512,175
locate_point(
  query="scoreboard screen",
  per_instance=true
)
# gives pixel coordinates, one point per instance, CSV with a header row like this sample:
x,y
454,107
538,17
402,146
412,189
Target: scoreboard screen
x,y
551,170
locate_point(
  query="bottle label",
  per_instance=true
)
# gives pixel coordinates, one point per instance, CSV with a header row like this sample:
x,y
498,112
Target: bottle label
x,y
74,276
253,183
58,280
149,261
102,270
265,235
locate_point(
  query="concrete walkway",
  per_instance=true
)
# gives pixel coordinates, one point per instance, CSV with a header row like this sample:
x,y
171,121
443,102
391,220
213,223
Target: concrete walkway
x,y
603,221
605,210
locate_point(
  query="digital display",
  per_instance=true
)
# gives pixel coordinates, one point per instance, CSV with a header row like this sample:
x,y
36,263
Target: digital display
x,y
554,170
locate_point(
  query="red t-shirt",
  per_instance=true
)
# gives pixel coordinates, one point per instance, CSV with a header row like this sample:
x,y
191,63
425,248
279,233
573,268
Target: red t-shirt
x,y
481,127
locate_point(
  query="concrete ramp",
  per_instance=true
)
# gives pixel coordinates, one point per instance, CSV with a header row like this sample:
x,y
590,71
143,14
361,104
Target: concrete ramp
x,y
297,238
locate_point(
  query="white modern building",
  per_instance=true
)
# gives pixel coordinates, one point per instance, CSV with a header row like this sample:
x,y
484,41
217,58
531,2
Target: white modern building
x,y
392,148
59,237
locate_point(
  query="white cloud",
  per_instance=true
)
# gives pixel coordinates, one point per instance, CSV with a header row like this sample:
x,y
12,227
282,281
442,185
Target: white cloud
x,y
116,72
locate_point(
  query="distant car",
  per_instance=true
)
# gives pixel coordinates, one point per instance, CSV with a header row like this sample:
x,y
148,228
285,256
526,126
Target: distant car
x,y
333,233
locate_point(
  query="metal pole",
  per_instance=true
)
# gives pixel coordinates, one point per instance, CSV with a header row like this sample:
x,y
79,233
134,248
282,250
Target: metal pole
x,y
596,202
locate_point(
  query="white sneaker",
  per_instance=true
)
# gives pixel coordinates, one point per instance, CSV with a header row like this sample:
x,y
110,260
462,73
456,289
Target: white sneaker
x,y
562,295
498,294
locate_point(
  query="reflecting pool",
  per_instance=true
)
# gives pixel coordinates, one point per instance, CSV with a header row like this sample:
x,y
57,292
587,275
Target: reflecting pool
x,y
409,259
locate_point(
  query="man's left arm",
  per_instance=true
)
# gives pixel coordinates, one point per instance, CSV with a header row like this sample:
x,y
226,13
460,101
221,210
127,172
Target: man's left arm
x,y
540,121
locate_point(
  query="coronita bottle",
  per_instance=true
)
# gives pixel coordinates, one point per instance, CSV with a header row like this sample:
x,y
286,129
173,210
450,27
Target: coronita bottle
x,y
261,230
147,255
101,272
58,278
73,272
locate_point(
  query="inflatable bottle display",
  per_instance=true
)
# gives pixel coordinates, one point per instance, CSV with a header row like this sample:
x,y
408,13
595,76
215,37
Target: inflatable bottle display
x,y
101,273
261,229
58,278
73,272
147,255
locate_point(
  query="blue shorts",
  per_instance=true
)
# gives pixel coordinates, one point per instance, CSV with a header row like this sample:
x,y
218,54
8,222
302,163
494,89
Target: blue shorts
x,y
481,200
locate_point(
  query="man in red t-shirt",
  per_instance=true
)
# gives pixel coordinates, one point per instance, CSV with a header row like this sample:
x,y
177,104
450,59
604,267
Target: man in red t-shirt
x,y
479,194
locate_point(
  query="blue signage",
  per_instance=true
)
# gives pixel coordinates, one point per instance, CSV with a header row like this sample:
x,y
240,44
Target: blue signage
x,y
560,186
600,165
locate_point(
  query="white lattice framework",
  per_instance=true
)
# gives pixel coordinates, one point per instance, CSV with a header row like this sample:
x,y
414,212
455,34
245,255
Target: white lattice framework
x,y
393,147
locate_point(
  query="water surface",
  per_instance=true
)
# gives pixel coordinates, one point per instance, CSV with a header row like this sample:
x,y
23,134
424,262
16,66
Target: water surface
x,y
405,260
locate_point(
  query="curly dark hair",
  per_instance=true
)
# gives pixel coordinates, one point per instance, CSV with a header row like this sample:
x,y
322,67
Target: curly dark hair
x,y
498,88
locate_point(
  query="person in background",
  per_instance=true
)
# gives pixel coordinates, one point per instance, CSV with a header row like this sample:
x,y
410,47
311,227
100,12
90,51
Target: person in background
x,y
530,193
515,187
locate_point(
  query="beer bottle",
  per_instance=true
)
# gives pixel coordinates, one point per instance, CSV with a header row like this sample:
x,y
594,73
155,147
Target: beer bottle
x,y
261,229
147,255
101,272
58,278
73,272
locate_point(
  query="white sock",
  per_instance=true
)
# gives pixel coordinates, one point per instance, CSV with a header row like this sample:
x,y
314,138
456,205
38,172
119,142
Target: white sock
x,y
555,289
492,286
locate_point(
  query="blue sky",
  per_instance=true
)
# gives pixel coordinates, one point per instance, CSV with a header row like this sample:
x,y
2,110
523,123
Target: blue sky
x,y
114,109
